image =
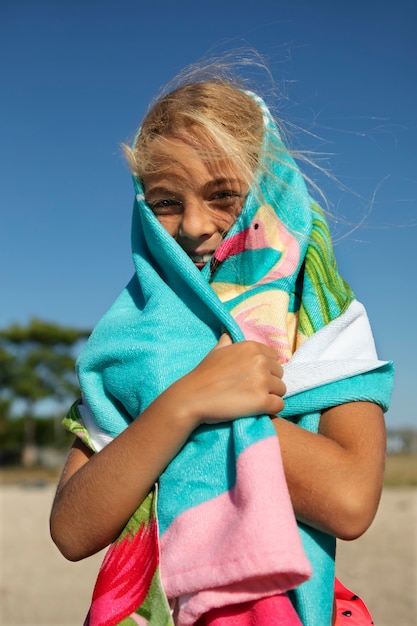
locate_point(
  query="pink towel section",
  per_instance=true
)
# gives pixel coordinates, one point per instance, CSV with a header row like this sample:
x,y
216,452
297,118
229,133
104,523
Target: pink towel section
x,y
240,547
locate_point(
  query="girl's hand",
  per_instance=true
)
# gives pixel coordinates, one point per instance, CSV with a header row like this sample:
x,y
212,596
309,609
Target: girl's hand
x,y
233,380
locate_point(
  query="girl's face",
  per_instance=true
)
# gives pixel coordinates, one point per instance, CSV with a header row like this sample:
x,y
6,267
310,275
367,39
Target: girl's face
x,y
196,201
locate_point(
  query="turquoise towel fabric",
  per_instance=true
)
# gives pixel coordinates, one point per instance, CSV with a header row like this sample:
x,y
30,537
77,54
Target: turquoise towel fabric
x,y
273,279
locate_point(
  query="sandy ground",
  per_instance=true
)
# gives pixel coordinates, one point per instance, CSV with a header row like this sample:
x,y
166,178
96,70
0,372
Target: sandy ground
x,y
39,588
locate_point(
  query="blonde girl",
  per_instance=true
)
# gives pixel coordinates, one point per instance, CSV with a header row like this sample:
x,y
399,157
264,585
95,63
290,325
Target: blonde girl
x,y
236,327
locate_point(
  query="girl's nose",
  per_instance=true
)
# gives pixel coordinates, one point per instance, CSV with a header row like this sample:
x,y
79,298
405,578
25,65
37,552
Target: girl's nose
x,y
196,221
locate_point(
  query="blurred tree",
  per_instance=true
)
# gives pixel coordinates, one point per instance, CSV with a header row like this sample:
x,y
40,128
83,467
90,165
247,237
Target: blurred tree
x,y
6,361
37,364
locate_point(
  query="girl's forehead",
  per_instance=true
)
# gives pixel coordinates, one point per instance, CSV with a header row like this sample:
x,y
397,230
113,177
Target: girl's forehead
x,y
182,149
176,158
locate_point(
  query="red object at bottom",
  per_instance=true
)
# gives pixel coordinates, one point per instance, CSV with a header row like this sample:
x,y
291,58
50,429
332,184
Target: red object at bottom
x,y
272,611
278,611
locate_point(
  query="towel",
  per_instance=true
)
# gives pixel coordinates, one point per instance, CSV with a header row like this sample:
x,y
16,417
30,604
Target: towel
x,y
219,530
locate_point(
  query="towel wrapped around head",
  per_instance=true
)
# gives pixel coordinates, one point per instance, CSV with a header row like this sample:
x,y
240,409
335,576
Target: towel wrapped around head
x,y
223,521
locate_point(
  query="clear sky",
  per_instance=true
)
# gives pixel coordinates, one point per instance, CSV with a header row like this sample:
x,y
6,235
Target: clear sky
x,y
76,79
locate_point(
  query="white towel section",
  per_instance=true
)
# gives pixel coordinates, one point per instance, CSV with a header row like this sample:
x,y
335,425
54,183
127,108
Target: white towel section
x,y
98,437
341,349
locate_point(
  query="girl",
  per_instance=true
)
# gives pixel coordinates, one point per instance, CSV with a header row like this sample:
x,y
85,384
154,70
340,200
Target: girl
x,y
235,355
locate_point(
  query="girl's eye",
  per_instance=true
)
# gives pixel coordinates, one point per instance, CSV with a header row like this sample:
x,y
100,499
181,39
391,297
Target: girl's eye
x,y
166,206
225,194
227,199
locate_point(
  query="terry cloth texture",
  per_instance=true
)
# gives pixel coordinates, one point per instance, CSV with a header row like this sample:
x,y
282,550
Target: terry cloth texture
x,y
223,521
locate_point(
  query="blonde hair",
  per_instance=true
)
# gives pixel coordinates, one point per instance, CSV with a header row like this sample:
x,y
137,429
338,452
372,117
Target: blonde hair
x,y
218,119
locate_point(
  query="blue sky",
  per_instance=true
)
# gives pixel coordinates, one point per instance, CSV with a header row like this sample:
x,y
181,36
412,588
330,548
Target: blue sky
x,y
76,79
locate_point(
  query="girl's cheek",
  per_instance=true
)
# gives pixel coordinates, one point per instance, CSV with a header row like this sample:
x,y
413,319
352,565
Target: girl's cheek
x,y
170,225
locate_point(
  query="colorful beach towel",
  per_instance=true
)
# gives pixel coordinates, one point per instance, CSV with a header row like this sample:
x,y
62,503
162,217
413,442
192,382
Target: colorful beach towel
x,y
222,521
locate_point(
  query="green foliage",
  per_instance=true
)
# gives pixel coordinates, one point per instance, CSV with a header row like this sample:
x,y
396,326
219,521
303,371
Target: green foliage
x,y
47,430
37,361
11,432
36,364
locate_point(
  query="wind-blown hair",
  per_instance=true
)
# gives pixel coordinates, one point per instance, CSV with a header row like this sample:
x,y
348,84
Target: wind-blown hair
x,y
209,106
217,119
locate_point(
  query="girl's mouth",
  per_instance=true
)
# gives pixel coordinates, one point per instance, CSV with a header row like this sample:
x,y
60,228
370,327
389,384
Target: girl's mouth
x,y
200,260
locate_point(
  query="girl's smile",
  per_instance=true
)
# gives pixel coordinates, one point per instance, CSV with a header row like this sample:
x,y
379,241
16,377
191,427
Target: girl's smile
x,y
196,201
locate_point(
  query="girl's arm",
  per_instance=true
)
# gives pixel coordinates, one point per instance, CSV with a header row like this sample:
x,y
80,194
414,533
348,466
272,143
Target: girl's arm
x,y
98,493
335,477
